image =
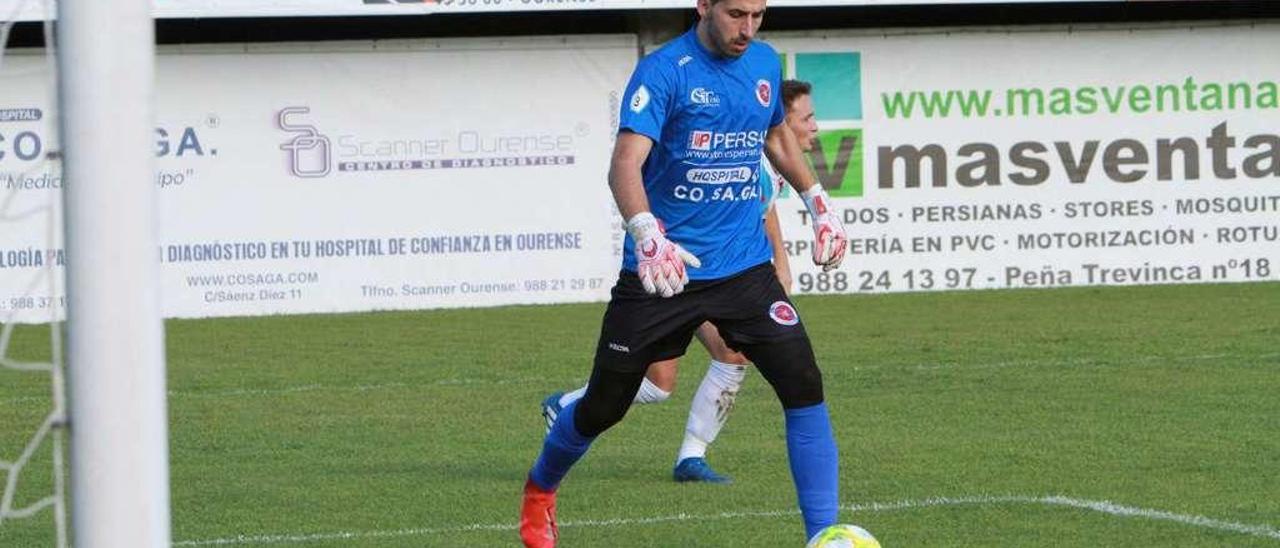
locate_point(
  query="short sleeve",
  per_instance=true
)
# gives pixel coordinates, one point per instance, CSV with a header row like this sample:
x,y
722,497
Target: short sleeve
x,y
779,114
647,100
771,65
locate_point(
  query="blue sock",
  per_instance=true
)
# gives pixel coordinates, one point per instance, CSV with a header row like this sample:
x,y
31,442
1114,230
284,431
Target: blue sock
x,y
815,464
562,447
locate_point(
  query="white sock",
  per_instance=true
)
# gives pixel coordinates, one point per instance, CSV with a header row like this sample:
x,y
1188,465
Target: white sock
x,y
648,393
710,408
570,397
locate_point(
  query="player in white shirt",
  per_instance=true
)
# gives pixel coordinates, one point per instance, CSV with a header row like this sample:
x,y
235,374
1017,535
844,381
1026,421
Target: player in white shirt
x,y
719,388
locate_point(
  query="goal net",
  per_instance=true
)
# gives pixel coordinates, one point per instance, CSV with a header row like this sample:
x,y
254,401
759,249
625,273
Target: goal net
x,y
33,407
84,462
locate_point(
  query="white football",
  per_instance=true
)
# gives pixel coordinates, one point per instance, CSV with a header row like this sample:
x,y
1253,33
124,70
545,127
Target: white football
x,y
843,535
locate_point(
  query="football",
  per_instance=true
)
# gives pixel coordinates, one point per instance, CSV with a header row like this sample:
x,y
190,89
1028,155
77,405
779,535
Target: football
x,y
843,536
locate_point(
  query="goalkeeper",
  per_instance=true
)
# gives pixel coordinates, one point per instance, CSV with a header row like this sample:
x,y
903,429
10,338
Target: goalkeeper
x,y
719,387
700,114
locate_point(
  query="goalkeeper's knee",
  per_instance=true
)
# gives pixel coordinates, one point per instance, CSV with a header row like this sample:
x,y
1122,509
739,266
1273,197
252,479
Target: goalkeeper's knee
x,y
607,400
791,369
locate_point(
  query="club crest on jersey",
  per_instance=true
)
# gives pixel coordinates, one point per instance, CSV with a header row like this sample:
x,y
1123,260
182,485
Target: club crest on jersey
x,y
639,99
764,92
783,313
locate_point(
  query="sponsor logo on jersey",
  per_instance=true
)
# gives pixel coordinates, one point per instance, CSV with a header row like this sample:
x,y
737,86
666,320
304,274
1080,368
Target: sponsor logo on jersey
x,y
700,140
719,176
708,140
704,96
684,61
639,99
783,313
764,92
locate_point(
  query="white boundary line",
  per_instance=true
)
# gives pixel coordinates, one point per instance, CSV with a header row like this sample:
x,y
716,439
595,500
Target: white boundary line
x,y
316,387
1105,507
284,390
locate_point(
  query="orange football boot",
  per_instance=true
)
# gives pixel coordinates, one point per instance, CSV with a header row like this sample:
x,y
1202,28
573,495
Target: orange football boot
x,y
538,517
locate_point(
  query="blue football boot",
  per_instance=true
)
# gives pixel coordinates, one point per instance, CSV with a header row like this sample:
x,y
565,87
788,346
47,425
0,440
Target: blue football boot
x,y
551,409
697,469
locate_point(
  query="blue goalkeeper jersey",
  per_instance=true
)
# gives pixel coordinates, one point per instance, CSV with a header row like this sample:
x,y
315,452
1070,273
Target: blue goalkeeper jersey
x,y
708,117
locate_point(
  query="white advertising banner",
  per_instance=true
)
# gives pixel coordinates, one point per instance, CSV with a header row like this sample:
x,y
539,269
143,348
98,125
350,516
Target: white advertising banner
x,y
322,178
34,10
410,175
995,159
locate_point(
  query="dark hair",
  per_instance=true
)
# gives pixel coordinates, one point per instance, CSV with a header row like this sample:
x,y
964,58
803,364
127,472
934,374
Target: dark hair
x,y
792,89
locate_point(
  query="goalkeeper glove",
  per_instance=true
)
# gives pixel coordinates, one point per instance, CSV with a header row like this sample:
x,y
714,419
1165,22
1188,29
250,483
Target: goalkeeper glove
x,y
660,262
829,240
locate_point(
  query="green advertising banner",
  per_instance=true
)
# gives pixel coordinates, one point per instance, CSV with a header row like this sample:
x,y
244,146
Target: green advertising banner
x,y
995,158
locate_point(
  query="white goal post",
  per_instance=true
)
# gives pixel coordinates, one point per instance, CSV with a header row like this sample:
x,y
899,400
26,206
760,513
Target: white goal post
x,y
115,336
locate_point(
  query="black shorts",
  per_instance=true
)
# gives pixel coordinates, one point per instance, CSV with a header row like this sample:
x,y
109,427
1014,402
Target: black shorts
x,y
747,308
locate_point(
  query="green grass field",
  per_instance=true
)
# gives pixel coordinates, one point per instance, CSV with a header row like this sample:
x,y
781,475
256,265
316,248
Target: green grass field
x,y
1138,416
